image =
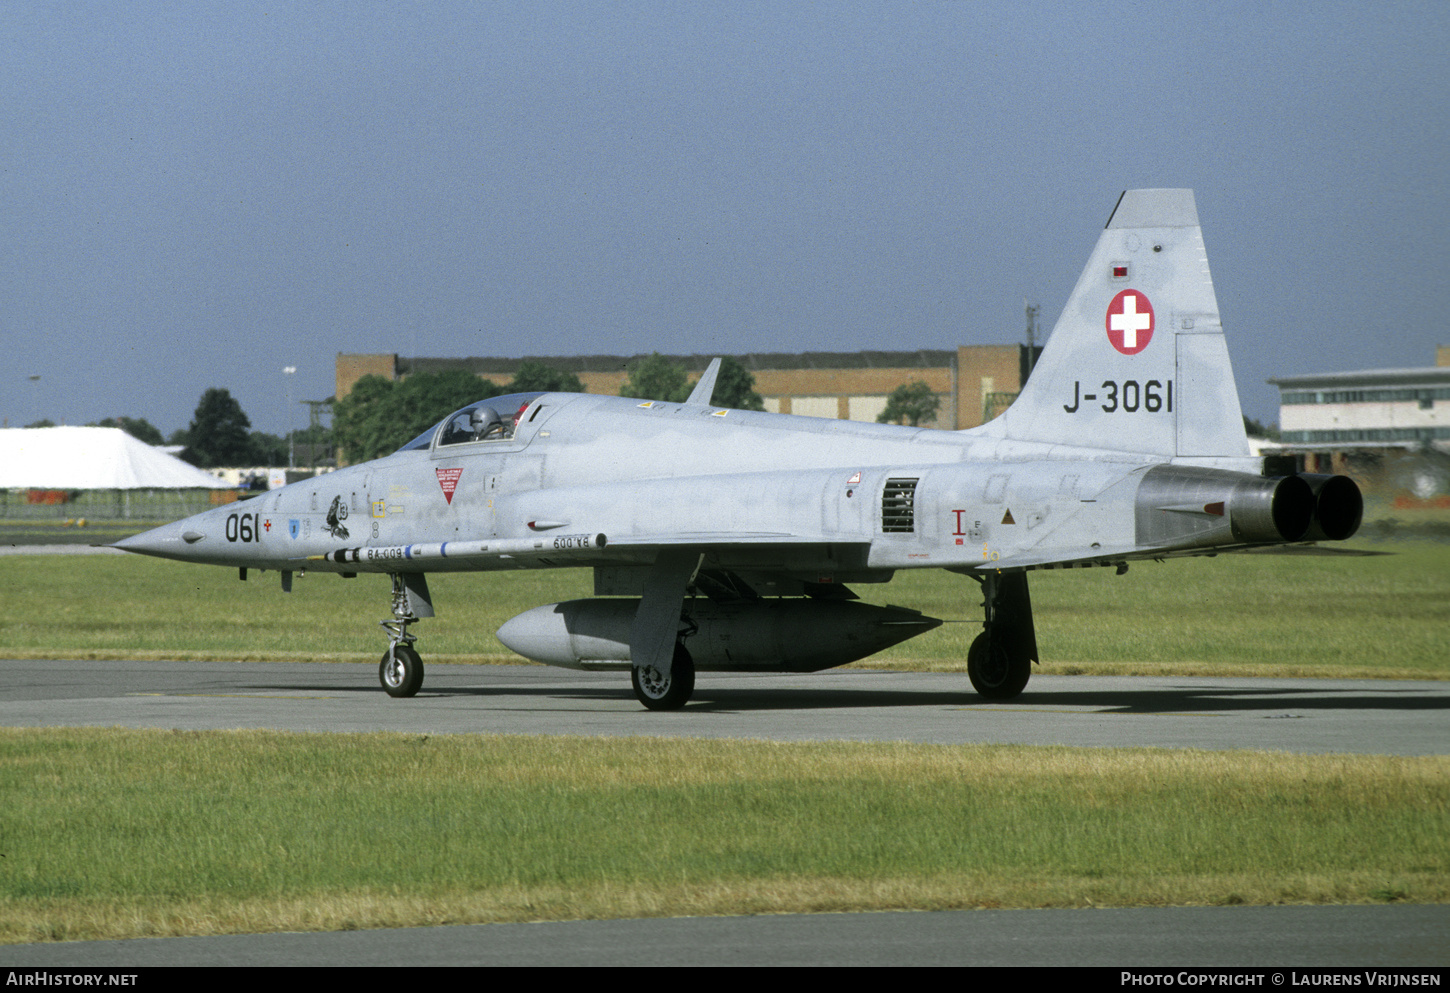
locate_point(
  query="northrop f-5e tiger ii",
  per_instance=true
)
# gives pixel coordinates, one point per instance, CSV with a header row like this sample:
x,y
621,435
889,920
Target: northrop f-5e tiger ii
x,y
729,540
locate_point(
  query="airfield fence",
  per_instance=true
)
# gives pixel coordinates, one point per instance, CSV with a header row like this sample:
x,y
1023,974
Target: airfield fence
x,y
108,505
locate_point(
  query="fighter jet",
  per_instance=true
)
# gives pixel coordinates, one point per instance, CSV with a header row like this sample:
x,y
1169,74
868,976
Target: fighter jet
x,y
730,540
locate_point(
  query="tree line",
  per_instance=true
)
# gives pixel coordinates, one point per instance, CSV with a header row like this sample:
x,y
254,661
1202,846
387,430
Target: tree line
x,y
381,415
218,436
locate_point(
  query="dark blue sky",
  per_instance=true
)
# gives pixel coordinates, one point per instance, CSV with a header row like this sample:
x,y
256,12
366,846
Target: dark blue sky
x,y
197,195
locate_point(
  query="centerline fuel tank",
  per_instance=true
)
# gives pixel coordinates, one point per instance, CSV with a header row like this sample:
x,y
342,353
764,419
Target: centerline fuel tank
x,y
774,635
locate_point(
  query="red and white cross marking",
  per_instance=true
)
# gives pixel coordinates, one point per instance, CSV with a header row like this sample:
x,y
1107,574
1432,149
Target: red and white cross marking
x,y
1130,322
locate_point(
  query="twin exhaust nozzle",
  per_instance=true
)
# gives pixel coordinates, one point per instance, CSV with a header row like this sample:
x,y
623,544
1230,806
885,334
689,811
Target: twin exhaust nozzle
x,y
1185,505
1305,507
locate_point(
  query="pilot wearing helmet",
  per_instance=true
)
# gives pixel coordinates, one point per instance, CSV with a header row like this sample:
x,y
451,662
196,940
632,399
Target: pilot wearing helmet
x,y
484,422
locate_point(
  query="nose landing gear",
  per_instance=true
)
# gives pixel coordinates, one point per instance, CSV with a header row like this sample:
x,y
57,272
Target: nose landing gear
x,y
401,669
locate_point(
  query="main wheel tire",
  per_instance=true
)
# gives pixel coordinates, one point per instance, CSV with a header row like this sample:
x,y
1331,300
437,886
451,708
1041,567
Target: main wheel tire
x,y
401,671
994,673
665,692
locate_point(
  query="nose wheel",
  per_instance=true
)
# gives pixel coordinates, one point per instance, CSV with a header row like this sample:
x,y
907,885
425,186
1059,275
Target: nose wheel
x,y
401,671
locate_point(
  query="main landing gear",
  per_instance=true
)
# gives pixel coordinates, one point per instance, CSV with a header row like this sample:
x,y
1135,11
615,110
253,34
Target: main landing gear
x,y
999,662
401,670
665,692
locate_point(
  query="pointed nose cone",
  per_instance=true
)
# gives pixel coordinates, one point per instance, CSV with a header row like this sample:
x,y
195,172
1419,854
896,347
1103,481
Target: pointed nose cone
x,y
184,540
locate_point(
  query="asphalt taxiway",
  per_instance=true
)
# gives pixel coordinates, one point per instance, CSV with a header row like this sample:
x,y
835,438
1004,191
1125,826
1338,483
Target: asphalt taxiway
x,y
1173,937
1357,716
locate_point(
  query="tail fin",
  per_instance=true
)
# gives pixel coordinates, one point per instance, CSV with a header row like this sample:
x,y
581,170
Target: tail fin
x,y
1137,361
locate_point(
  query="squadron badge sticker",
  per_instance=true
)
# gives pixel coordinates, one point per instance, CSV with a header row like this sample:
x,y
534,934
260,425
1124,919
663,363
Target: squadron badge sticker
x,y
336,514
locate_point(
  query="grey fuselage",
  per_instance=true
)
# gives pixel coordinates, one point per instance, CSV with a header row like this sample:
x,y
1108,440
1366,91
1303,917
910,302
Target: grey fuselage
x,y
593,480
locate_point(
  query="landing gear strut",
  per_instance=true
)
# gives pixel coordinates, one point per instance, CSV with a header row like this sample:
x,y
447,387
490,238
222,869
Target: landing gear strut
x,y
401,670
999,662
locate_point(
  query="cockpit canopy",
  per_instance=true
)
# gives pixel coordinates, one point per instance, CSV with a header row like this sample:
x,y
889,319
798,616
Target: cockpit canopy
x,y
493,419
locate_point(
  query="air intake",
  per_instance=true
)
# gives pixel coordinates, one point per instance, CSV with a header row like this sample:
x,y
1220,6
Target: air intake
x,y
898,506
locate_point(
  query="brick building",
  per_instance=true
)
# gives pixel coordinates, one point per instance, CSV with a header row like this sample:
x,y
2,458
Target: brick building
x,y
975,382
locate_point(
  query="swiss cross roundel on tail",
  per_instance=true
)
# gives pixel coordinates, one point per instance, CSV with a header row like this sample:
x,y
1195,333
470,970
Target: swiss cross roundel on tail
x,y
1130,322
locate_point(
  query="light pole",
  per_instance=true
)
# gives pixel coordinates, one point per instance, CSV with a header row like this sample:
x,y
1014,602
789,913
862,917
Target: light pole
x,y
36,380
288,371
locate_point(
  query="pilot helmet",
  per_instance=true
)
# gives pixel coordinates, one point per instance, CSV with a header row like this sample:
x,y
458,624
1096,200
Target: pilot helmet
x,y
482,419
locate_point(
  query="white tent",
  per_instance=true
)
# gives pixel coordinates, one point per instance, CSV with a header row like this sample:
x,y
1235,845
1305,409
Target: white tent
x,y
92,459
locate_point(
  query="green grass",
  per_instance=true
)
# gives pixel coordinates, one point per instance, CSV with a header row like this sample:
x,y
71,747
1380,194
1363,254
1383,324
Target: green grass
x,y
137,607
1380,616
114,833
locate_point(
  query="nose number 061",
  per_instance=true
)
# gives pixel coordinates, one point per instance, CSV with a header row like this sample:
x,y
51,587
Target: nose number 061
x,y
244,527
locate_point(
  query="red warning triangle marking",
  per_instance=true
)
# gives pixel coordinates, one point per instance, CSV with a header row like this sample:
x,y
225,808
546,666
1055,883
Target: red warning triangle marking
x,y
448,481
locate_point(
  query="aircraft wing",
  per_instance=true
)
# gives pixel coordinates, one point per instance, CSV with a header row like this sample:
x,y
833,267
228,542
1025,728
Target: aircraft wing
x,y
705,539
1057,559
1310,550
